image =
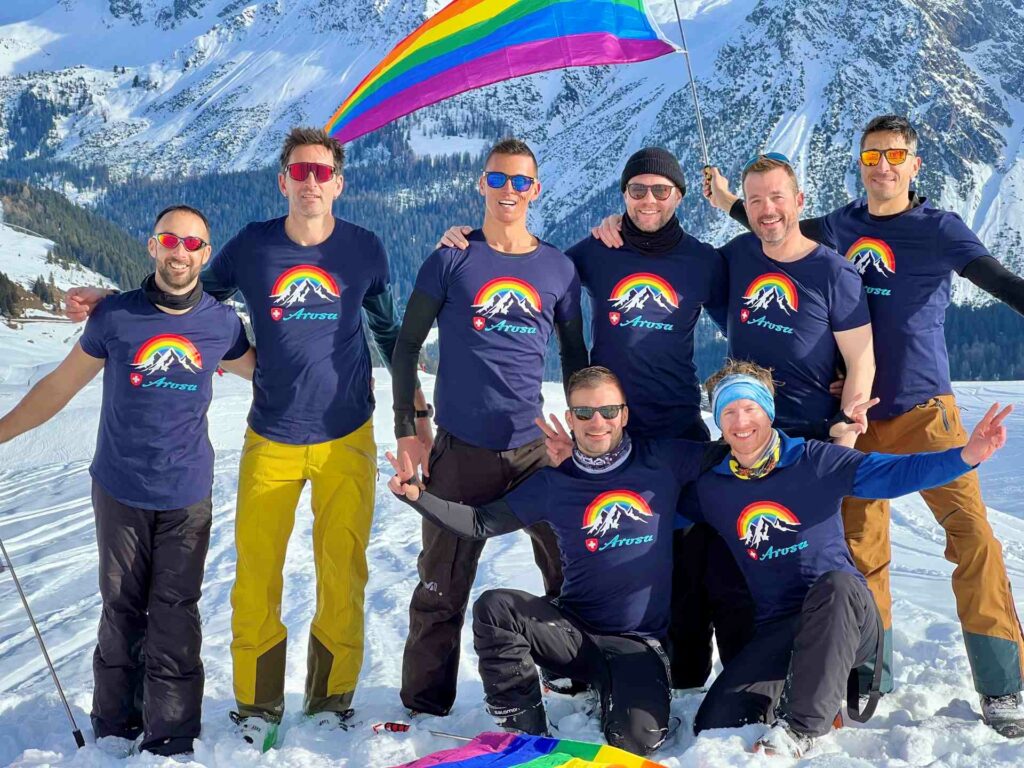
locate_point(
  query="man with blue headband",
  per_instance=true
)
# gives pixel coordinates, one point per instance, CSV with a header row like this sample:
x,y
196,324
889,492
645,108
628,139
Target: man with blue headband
x,y
777,502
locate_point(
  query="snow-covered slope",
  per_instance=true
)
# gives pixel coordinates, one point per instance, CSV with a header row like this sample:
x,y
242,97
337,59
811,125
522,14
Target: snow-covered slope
x,y
47,525
155,86
24,257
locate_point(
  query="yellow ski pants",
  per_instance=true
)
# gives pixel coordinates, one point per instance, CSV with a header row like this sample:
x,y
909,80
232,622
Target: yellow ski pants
x,y
343,473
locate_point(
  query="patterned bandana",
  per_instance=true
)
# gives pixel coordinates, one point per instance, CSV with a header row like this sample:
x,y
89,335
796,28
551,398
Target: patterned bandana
x,y
606,461
765,464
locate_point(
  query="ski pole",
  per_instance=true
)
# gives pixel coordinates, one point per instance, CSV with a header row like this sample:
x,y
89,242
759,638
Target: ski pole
x,y
53,673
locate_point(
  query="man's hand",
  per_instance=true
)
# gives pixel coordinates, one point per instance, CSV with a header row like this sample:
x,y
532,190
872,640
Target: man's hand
x,y
988,437
556,439
609,231
80,302
716,190
425,436
846,434
403,483
455,237
836,387
411,449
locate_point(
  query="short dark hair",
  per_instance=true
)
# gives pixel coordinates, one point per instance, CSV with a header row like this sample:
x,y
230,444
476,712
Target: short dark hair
x,y
186,209
765,164
891,124
587,378
511,146
301,136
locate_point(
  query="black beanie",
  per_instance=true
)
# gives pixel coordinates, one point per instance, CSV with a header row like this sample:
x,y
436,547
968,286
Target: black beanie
x,y
655,160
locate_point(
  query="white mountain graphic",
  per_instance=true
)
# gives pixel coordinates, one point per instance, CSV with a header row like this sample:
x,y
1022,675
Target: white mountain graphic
x,y
758,534
163,362
868,258
298,292
608,519
637,298
501,302
766,296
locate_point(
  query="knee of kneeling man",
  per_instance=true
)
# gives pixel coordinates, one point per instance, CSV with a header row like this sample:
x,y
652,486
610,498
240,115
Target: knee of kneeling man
x,y
839,583
490,604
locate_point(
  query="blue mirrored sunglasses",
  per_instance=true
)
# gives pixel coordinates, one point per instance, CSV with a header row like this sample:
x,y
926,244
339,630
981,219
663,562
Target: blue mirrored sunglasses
x,y
771,156
497,180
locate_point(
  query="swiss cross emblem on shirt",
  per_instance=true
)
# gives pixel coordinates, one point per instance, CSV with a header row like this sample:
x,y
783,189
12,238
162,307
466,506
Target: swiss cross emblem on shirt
x,y
614,317
744,314
135,379
479,323
276,313
591,545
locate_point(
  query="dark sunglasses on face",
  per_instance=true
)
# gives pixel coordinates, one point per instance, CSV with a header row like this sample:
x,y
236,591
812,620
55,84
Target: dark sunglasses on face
x,y
170,241
771,156
586,413
893,156
301,171
497,180
639,191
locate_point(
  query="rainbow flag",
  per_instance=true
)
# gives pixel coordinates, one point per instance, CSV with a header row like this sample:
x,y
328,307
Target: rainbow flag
x,y
472,43
506,750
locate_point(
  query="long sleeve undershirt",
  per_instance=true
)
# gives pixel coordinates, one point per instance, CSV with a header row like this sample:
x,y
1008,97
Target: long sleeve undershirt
x,y
886,476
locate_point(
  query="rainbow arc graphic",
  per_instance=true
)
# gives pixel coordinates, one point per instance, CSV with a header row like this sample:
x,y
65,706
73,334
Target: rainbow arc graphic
x,y
296,285
499,295
772,287
634,291
161,353
872,252
606,511
756,519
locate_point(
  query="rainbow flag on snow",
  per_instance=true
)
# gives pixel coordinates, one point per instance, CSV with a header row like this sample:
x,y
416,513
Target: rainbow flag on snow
x,y
472,43
506,750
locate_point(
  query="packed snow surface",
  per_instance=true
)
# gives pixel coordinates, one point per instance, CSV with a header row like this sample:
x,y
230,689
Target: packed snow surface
x,y
46,522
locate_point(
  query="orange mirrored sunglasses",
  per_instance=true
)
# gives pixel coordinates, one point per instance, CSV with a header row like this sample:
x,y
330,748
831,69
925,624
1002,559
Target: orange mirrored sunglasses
x,y
895,156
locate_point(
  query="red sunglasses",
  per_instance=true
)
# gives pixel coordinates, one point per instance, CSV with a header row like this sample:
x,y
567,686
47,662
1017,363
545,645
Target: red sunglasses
x,y
301,171
170,241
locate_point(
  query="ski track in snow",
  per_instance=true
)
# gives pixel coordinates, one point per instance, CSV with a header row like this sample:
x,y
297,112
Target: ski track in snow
x,y
47,525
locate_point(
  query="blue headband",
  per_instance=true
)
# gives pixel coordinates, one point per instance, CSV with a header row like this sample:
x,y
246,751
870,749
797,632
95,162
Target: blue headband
x,y
739,386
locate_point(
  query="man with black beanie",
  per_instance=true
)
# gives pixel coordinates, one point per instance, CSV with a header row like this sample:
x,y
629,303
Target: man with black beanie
x,y
646,298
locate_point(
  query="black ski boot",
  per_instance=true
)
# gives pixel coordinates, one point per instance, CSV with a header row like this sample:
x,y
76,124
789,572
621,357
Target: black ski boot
x,y
532,721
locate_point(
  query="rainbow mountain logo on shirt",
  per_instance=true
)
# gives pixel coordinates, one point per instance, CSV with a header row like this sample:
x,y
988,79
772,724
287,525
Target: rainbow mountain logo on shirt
x,y
872,256
639,291
166,353
612,512
299,286
501,297
772,289
759,521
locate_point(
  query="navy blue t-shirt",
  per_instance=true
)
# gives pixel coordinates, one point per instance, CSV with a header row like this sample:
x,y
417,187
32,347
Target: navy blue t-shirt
x,y
498,311
644,312
153,450
312,381
906,263
614,531
784,530
783,316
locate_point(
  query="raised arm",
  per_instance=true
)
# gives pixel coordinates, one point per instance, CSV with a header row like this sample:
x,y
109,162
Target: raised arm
x,y
51,393
855,345
413,434
244,366
993,278
382,319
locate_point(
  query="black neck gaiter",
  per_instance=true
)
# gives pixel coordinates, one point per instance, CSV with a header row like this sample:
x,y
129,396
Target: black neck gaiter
x,y
159,298
652,243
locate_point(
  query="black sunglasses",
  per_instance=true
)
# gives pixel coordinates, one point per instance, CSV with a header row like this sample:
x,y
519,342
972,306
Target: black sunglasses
x,y
586,412
638,191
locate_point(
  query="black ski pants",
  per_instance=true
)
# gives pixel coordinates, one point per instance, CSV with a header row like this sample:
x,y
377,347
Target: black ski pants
x,y
515,631
447,564
148,676
797,667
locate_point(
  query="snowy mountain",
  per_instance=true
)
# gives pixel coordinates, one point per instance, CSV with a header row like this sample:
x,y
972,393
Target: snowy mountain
x,y
298,292
500,304
759,533
608,519
173,87
46,522
767,296
163,362
637,298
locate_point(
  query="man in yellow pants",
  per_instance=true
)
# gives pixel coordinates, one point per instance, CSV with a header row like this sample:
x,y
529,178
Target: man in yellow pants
x,y
307,279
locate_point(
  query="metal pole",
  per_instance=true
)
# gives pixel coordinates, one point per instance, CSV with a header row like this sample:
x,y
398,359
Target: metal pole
x,y
450,736
693,87
53,673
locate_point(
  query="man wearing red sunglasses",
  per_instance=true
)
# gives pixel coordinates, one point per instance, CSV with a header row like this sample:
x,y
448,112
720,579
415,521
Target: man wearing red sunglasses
x,y
307,279
152,476
906,249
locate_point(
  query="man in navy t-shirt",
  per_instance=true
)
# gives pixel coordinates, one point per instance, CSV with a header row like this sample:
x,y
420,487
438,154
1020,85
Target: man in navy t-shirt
x,y
496,304
776,501
308,280
158,348
612,508
906,250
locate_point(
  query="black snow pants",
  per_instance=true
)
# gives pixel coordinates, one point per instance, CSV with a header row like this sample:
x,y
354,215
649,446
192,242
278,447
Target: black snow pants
x,y
515,631
447,564
148,676
797,667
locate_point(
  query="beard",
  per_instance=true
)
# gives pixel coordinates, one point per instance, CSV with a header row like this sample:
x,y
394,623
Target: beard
x,y
176,280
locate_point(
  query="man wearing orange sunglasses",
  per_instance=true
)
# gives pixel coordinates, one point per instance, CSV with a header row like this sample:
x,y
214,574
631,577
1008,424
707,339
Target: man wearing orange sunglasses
x,y
906,249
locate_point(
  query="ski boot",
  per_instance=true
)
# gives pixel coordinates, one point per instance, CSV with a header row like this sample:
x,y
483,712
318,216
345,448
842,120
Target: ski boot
x,y
255,730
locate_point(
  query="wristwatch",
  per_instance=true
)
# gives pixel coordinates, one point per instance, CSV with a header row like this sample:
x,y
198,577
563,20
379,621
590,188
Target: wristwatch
x,y
427,414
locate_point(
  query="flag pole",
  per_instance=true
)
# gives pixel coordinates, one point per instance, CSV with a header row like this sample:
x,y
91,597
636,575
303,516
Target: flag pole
x,y
693,90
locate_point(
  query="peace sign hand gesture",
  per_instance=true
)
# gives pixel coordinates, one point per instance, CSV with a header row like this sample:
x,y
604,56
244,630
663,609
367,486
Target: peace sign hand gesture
x,y
557,440
858,412
404,482
988,437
